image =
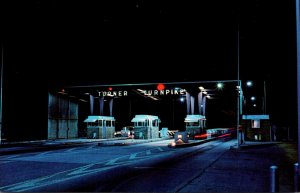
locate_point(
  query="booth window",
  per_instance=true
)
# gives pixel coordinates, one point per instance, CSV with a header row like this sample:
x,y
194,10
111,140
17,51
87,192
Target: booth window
x,y
255,123
154,123
108,123
192,124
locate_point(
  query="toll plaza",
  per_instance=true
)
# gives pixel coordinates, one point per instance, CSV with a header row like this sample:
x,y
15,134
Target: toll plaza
x,y
99,111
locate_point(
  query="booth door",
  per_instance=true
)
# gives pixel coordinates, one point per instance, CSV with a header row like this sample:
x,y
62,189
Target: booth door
x,y
104,130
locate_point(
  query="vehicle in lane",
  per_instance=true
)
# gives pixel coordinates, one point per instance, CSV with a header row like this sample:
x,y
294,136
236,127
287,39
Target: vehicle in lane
x,y
216,132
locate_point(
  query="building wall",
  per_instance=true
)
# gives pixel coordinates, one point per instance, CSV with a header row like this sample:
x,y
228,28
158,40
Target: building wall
x,y
146,132
99,134
109,132
91,131
62,117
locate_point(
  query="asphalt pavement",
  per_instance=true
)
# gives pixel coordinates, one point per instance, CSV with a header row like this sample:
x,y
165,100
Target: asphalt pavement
x,y
247,169
244,168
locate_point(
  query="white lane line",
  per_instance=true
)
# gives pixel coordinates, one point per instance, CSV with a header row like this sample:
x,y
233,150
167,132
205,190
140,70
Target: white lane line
x,y
91,147
70,150
132,156
44,153
111,162
5,162
160,149
12,156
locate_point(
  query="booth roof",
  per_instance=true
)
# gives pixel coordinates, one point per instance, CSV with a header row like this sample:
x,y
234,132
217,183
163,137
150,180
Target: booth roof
x,y
193,118
255,117
92,119
142,118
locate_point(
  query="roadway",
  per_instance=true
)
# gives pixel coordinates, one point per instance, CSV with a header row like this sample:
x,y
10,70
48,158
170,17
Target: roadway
x,y
145,167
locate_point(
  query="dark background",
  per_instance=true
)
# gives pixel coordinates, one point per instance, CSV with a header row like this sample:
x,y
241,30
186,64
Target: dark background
x,y
51,44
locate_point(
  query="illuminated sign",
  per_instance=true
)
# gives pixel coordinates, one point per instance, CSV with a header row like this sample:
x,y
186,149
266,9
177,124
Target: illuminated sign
x,y
164,92
113,93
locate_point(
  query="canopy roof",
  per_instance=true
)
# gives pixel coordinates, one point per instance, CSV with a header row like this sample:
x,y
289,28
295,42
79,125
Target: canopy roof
x,y
193,118
143,118
92,119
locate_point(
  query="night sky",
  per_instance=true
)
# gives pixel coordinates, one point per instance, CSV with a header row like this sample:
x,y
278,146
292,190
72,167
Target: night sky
x,y
51,44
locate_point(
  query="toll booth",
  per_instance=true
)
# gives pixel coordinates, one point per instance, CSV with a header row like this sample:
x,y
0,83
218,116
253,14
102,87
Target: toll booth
x,y
146,126
256,127
194,124
100,127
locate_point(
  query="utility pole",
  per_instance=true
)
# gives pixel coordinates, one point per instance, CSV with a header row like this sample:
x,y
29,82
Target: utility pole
x,y
265,99
298,70
238,89
1,95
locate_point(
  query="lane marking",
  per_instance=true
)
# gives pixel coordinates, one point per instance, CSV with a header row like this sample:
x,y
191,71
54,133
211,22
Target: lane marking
x,y
44,153
70,150
5,162
112,162
54,178
82,170
132,156
91,147
9,157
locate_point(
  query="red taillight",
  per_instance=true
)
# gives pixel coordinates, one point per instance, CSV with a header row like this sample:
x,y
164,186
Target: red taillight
x,y
204,135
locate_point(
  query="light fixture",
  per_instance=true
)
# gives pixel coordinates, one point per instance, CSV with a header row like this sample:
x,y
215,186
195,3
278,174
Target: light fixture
x,y
201,88
220,85
249,83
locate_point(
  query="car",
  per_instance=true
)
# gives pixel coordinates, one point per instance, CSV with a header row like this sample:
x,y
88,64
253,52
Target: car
x,y
118,134
127,131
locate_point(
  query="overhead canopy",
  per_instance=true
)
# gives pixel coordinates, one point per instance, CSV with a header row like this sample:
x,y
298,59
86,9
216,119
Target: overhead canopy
x,y
255,117
92,119
193,118
143,118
